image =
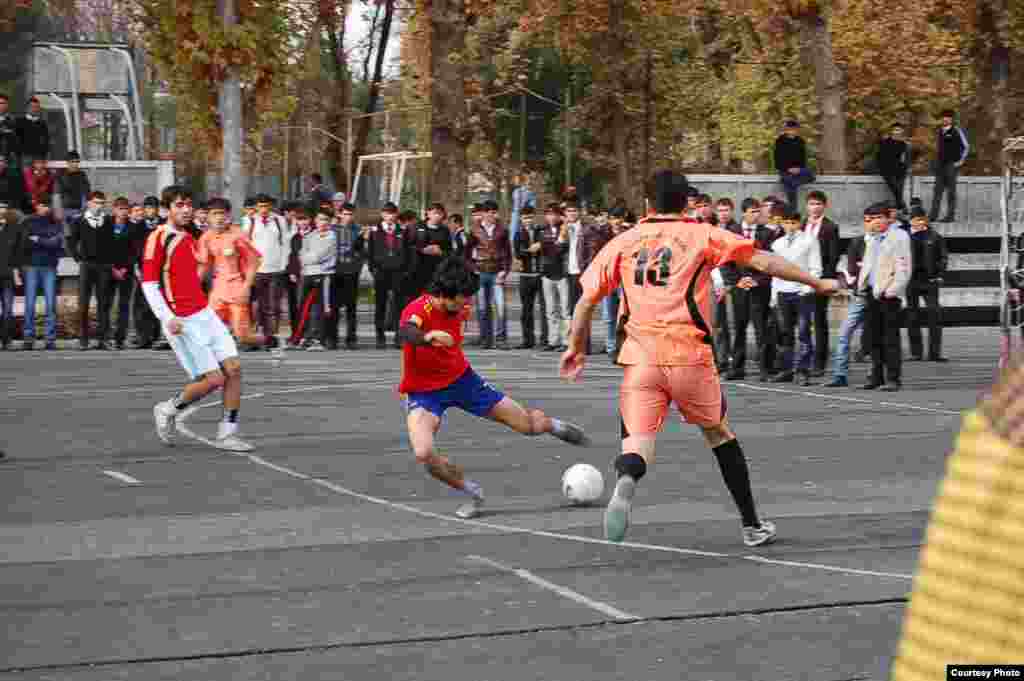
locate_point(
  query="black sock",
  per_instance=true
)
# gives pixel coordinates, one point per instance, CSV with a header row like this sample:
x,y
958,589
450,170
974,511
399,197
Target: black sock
x,y
231,416
737,479
180,403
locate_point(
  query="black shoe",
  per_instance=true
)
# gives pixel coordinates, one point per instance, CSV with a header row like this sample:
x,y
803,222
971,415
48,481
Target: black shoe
x,y
948,218
860,357
549,348
872,385
804,379
119,345
735,376
784,377
941,360
83,346
561,348
501,345
838,383
525,346
818,373
51,345
143,345
351,345
29,345
102,346
764,378
382,345
915,358
892,386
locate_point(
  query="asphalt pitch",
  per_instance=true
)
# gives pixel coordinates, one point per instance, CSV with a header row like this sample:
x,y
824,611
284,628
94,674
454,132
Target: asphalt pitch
x,y
330,555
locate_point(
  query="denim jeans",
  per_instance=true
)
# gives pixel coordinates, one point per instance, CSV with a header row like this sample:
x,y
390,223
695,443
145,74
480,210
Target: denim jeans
x,y
855,314
490,293
610,310
792,184
6,310
47,277
556,299
795,311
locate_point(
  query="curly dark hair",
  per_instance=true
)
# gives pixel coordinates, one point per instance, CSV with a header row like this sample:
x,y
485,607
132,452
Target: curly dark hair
x,y
453,278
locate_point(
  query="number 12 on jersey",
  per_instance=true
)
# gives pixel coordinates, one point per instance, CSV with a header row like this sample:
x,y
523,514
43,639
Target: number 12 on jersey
x,y
653,268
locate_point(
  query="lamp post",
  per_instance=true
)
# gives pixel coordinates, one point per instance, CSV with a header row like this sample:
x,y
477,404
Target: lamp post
x,y
522,120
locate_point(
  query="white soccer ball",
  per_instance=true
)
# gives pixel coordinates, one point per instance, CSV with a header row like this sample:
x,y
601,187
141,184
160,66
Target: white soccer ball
x,y
582,484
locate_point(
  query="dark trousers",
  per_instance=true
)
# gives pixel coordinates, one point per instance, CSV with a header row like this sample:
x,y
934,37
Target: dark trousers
x,y
147,326
291,291
945,183
346,295
882,322
794,323
930,293
94,278
896,184
387,285
821,332
122,290
749,306
529,295
575,293
721,332
6,310
266,294
317,304
792,184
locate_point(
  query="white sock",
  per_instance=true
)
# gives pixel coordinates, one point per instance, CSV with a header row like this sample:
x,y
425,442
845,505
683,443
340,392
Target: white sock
x,y
226,428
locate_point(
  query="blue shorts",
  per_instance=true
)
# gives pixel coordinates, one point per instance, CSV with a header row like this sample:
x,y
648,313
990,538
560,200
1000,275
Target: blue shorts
x,y
469,393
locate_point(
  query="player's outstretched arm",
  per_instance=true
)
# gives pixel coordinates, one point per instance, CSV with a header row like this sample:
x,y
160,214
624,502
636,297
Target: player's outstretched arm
x,y
573,359
777,266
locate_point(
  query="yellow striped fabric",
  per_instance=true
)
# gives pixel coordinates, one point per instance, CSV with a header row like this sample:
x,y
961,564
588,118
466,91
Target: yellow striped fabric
x,y
967,604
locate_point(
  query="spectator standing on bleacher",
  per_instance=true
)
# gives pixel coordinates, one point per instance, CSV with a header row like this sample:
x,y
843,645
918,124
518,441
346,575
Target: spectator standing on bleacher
x,y
351,256
44,245
144,220
12,246
528,243
12,188
33,132
123,254
951,149
10,148
89,242
318,193
893,161
39,182
930,260
73,187
791,161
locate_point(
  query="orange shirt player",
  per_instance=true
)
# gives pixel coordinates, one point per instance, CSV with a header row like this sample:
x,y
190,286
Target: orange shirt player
x,y
436,376
235,261
664,266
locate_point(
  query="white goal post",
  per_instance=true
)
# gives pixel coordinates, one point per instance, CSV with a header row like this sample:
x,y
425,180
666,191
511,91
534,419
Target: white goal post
x,y
398,162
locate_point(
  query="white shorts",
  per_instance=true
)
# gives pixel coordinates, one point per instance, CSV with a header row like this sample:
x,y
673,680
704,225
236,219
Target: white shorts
x,y
203,344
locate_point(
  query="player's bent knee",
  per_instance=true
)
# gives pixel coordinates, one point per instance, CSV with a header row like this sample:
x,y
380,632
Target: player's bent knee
x,y
232,369
535,420
632,465
718,434
215,380
424,457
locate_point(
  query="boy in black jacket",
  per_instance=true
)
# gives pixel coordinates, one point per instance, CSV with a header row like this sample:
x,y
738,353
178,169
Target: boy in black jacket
x,y
389,256
12,245
124,236
529,241
73,187
791,161
433,243
89,243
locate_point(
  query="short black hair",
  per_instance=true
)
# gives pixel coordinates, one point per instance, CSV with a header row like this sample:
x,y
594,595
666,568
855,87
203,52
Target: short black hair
x,y
918,212
171,194
817,195
618,212
74,156
4,97
526,210
704,198
316,177
879,208
151,202
788,213
477,208
96,194
454,278
406,216
725,201
779,209
669,192
348,207
437,205
948,112
264,198
456,218
219,203
553,208
490,204
250,201
750,202
389,208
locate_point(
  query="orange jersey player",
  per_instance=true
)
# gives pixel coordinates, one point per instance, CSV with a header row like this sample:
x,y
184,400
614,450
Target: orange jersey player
x,y
664,267
235,261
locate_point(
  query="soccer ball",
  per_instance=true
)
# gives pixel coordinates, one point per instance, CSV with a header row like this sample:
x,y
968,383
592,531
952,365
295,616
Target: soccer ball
x,y
582,484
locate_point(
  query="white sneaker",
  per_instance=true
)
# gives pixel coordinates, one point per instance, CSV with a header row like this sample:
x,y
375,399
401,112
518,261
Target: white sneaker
x,y
228,440
164,415
471,509
764,533
616,516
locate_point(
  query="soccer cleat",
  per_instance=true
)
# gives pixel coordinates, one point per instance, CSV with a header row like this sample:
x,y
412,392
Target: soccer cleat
x,y
616,516
571,433
228,440
762,534
164,414
471,509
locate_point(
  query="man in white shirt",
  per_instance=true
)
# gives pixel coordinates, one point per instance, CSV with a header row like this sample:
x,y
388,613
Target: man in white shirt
x,y
272,236
794,302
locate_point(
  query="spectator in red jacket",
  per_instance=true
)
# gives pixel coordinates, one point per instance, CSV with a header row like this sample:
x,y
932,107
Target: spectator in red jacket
x,y
39,182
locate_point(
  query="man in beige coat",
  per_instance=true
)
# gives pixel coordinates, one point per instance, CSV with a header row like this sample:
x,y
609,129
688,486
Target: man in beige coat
x,y
883,280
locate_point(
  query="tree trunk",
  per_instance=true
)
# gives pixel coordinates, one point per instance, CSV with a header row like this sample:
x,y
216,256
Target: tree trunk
x,y
620,126
231,122
362,133
830,91
991,121
336,116
447,101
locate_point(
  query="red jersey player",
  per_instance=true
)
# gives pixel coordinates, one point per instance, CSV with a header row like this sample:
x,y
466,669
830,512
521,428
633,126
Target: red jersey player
x,y
436,376
664,267
203,345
